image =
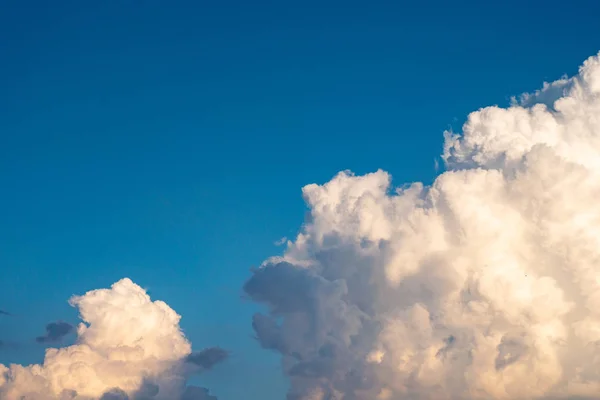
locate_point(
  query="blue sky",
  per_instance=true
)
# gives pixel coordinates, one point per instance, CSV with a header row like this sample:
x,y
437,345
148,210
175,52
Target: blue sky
x,y
168,141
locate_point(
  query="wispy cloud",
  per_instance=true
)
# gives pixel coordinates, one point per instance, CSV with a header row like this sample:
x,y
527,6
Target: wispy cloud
x,y
281,241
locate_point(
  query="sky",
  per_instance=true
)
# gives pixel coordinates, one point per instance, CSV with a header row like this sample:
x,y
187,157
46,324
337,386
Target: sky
x,y
169,143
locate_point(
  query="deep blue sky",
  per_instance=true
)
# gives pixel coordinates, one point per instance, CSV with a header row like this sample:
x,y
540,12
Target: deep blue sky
x,y
168,141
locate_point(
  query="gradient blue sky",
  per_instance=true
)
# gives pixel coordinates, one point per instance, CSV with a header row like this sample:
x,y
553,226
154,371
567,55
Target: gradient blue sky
x,y
168,141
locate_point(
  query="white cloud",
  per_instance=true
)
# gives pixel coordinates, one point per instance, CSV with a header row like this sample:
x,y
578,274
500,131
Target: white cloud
x,y
485,285
128,346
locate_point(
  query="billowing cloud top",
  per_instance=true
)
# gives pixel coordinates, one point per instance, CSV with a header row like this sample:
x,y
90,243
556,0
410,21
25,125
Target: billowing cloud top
x,y
128,347
485,285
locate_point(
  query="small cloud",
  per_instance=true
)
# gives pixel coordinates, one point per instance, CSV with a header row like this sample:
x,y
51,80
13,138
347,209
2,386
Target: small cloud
x,y
281,241
2,312
55,332
197,393
207,358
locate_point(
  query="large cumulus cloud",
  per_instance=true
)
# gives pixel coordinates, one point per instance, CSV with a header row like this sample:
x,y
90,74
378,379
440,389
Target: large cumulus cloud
x,y
128,347
484,285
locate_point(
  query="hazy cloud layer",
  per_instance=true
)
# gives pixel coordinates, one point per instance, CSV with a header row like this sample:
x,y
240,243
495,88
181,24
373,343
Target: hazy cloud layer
x,y
485,285
128,347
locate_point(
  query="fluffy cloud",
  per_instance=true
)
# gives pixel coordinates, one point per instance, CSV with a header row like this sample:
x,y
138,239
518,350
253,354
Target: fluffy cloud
x,y
128,347
484,285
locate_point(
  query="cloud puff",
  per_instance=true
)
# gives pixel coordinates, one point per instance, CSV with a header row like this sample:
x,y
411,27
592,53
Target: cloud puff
x,y
207,358
55,332
128,347
484,285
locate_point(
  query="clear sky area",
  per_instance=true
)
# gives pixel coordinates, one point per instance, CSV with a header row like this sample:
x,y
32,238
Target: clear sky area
x,y
169,142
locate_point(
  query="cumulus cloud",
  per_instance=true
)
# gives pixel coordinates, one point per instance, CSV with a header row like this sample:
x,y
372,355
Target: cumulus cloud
x,y
484,285
128,347
55,332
